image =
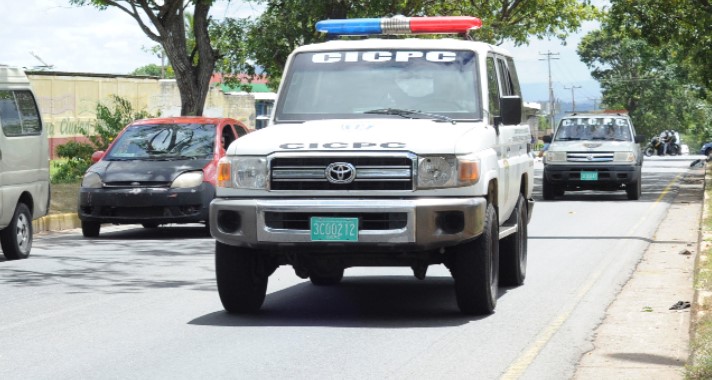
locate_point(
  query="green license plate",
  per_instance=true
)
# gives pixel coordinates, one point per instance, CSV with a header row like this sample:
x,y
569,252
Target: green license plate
x,y
334,229
589,176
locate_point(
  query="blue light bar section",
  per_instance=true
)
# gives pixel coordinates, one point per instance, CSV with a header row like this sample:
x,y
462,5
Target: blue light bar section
x,y
350,27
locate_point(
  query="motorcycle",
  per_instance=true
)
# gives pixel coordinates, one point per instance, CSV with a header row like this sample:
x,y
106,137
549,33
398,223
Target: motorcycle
x,y
655,146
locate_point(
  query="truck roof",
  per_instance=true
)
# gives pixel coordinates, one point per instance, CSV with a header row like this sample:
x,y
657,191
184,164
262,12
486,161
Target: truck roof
x,y
404,43
13,77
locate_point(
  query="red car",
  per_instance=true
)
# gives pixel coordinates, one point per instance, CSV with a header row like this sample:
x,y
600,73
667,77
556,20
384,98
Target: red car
x,y
157,171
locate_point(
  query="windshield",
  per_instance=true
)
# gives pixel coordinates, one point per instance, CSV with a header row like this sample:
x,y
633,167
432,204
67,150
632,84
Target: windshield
x,y
164,141
361,84
593,128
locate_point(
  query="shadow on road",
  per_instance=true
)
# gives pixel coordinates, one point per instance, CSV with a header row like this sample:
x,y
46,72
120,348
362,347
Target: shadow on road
x,y
382,302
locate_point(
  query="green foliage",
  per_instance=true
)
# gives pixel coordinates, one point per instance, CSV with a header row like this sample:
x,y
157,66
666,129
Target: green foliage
x,y
266,42
644,80
154,70
76,156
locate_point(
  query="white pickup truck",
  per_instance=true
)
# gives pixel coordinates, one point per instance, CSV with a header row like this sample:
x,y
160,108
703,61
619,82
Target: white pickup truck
x,y
382,152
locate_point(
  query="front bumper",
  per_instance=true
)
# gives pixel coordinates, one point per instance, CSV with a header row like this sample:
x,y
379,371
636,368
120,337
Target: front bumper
x,y
610,176
146,205
384,224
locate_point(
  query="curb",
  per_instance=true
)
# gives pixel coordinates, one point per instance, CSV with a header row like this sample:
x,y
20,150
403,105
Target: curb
x,y
56,222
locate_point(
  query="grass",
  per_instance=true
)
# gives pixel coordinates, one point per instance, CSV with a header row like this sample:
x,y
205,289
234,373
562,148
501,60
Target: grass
x,y
699,365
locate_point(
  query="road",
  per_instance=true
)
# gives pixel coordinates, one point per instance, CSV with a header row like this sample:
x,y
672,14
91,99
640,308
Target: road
x,y
139,303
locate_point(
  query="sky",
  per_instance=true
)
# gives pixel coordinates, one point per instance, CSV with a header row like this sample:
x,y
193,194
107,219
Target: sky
x,y
85,39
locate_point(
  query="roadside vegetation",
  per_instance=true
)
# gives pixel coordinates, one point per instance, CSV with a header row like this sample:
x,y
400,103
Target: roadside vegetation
x,y
699,366
75,157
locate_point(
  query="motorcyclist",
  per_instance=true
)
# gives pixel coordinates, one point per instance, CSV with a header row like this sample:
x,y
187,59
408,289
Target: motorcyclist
x,y
666,137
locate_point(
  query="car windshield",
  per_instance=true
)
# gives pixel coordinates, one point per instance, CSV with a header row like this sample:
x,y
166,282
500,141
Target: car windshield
x,y
593,128
440,85
164,141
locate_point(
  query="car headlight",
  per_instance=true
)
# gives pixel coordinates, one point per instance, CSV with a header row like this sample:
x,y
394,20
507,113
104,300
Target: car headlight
x,y
624,156
553,156
243,172
188,180
447,171
91,180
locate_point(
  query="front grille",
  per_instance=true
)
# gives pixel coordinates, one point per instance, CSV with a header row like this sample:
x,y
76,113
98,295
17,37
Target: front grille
x,y
589,156
372,173
133,184
366,220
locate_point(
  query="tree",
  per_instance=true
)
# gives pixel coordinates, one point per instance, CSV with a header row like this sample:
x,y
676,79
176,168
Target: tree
x,y
639,78
193,65
680,26
286,24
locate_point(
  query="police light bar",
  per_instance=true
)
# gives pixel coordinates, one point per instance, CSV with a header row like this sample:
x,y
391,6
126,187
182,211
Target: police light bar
x,y
399,25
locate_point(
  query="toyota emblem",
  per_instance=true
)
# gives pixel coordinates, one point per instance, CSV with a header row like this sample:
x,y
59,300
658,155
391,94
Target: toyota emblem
x,y
340,172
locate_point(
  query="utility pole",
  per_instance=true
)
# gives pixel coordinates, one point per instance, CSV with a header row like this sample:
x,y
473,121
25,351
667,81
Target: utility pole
x,y
595,103
548,58
573,98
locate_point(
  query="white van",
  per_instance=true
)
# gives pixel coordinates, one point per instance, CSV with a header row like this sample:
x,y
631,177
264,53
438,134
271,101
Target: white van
x,y
24,163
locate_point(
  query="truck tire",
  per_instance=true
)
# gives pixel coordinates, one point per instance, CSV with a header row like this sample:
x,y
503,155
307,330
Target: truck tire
x,y
513,249
91,229
328,280
547,189
241,278
633,190
16,238
476,269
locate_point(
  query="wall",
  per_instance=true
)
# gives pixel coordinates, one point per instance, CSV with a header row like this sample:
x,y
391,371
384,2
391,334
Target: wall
x,y
68,101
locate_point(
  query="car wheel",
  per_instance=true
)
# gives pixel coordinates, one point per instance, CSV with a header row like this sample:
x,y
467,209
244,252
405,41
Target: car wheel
x,y
241,278
476,269
513,250
633,190
16,238
327,280
90,229
549,190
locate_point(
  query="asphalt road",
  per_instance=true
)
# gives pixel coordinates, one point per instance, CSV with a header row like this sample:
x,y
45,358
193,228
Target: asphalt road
x,y
139,303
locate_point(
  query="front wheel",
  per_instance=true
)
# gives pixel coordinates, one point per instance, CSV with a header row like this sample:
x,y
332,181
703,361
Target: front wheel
x,y
649,151
513,249
16,238
549,190
241,278
476,269
633,190
91,229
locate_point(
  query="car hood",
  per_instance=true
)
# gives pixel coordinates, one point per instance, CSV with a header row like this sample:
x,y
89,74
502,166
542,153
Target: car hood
x,y
422,136
146,170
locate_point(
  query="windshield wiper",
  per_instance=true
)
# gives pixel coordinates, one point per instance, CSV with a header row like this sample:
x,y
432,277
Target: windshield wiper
x,y
568,138
409,114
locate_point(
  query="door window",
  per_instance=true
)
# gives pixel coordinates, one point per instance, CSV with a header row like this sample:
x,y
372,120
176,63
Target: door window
x,y
19,115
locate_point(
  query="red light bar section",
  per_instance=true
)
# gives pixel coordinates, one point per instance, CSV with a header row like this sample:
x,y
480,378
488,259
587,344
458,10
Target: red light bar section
x,y
444,25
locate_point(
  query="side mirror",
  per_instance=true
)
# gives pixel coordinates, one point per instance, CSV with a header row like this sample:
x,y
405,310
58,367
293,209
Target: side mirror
x,y
546,139
511,109
639,139
96,156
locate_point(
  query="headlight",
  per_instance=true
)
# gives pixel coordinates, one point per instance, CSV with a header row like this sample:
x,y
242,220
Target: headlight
x,y
248,172
188,180
441,172
555,156
624,156
91,180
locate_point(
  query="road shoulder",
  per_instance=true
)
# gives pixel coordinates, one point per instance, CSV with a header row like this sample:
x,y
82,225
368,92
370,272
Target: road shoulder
x,y
640,337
